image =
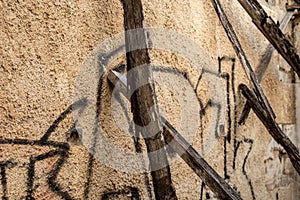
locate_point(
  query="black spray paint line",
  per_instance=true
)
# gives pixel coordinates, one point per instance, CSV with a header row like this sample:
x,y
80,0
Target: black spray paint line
x,y
78,104
227,137
3,181
249,182
249,141
236,148
3,166
203,108
102,60
202,190
59,145
235,121
88,177
229,121
54,186
205,192
209,103
226,176
89,173
227,77
30,179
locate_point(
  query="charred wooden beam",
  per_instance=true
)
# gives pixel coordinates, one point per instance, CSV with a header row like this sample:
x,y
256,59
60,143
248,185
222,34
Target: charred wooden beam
x,y
242,57
272,127
272,32
143,99
210,177
264,63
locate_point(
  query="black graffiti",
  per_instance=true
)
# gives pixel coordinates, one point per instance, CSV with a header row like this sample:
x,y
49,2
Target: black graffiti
x,y
227,139
231,130
61,149
203,106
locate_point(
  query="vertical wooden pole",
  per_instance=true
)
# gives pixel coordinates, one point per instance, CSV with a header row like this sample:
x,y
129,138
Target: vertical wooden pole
x,y
143,99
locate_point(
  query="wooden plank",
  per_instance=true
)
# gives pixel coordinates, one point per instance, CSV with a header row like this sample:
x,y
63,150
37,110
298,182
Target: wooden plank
x,y
272,32
272,127
143,102
211,178
242,57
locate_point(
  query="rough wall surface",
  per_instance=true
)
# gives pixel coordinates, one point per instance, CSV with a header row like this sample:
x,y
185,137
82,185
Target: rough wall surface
x,y
45,45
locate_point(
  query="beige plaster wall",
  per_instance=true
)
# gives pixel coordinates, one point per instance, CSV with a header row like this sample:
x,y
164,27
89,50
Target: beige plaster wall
x,y
44,48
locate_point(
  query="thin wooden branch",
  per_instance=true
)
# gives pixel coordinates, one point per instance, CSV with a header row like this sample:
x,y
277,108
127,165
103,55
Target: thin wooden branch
x,y
272,32
272,127
143,99
210,177
242,57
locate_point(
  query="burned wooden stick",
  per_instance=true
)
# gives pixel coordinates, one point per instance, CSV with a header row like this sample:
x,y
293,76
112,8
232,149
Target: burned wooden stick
x,y
272,32
211,178
264,63
242,57
143,99
272,127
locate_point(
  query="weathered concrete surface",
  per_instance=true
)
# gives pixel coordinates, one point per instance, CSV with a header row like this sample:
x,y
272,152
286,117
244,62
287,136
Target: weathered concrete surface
x,y
42,47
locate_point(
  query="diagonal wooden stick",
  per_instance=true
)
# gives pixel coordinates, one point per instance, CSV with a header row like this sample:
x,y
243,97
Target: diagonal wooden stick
x,y
272,127
242,57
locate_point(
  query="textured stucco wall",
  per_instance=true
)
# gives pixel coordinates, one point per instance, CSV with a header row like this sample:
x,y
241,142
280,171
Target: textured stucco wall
x,y
44,48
